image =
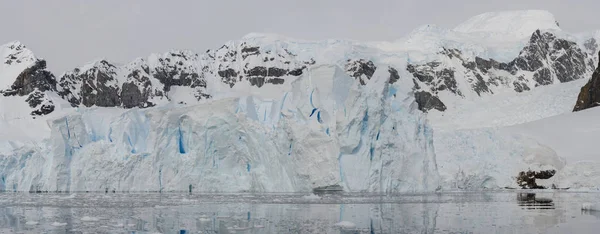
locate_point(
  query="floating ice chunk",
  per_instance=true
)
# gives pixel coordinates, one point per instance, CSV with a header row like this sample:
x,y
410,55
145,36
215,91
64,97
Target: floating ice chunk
x,y
57,224
311,197
73,195
89,219
590,206
31,223
204,219
345,225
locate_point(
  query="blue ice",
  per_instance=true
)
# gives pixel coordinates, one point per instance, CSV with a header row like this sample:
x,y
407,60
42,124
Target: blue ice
x,y
313,112
181,146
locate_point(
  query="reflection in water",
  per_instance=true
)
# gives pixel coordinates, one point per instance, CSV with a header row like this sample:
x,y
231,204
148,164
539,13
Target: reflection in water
x,y
531,201
184,213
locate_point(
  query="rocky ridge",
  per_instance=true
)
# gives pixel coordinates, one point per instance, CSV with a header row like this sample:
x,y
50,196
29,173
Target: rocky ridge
x,y
145,82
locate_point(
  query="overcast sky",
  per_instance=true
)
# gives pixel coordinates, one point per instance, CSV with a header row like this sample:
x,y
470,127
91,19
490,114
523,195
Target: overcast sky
x,y
69,33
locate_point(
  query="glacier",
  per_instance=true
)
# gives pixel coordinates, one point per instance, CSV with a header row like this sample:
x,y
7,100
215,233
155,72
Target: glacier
x,y
273,114
246,143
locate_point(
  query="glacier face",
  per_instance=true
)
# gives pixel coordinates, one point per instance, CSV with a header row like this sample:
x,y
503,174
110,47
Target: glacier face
x,y
325,130
273,114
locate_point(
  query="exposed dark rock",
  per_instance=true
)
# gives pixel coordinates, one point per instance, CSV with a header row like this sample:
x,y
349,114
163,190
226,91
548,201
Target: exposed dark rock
x,y
526,179
543,77
249,51
434,77
393,75
43,110
34,81
228,76
297,72
276,81
171,77
35,99
358,68
257,71
32,78
131,96
546,59
480,86
257,81
426,102
589,96
569,66
520,87
276,72
424,73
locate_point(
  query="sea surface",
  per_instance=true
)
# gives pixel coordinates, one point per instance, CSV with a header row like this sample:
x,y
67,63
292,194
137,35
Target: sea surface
x,y
456,212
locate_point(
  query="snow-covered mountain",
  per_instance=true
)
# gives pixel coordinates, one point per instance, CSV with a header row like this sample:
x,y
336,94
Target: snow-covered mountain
x,y
25,78
270,113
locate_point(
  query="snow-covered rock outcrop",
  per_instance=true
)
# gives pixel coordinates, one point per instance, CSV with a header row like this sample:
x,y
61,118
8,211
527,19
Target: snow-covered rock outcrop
x,y
23,77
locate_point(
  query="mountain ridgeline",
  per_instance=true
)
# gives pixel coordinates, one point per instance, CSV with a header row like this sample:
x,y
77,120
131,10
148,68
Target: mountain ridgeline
x,y
145,82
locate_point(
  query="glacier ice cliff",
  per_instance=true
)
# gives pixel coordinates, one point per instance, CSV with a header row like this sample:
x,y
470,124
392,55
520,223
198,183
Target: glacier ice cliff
x,y
325,129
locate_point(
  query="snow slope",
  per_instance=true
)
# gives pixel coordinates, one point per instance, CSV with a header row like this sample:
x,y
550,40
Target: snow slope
x,y
517,24
14,58
487,142
573,136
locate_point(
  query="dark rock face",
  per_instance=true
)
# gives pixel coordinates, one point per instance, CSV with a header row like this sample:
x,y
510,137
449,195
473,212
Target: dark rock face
x,y
437,79
361,69
526,179
228,76
393,75
131,96
138,90
255,65
33,78
543,76
41,105
106,85
545,60
97,86
178,73
33,82
426,101
589,96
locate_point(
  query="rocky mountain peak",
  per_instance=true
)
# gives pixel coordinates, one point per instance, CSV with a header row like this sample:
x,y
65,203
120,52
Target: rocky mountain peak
x,y
256,63
24,75
546,59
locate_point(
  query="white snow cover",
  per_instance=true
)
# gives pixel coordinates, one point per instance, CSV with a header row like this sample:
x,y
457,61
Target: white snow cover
x,y
319,129
14,58
512,23
485,143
